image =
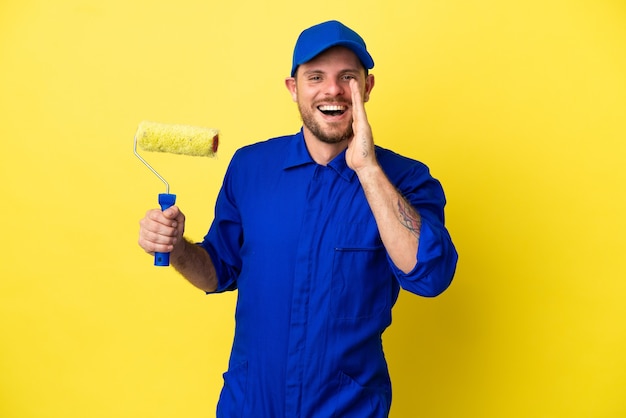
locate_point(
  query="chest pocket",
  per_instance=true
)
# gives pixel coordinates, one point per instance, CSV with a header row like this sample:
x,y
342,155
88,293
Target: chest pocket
x,y
361,281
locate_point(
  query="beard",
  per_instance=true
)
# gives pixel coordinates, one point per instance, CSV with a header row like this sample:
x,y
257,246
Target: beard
x,y
333,135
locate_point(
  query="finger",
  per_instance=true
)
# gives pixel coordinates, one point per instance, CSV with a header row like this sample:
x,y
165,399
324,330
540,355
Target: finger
x,y
160,239
155,222
172,212
358,107
151,247
161,217
357,100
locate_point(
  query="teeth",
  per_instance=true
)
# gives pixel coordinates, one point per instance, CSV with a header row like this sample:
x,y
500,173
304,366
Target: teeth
x,y
332,108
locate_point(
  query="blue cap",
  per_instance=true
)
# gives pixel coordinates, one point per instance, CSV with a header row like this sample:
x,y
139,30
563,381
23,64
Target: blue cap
x,y
317,39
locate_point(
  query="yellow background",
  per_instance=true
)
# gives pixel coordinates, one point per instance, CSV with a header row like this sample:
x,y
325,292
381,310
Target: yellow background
x,y
518,107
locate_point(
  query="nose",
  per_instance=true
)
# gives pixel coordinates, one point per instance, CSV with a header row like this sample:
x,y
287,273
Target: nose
x,y
334,88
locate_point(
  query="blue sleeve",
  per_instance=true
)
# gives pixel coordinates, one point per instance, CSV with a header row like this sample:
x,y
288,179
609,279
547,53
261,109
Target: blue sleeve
x,y
225,236
436,255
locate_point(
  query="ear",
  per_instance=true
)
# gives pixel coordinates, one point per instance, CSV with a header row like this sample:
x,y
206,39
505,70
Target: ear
x,y
291,84
369,85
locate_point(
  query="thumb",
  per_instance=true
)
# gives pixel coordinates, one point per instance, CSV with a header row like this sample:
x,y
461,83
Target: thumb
x,y
171,212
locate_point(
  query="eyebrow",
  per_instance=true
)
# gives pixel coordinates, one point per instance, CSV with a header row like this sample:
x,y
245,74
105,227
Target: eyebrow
x,y
344,71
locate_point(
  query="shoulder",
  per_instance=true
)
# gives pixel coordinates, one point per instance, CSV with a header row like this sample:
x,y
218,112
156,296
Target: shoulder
x,y
264,149
398,166
412,178
259,160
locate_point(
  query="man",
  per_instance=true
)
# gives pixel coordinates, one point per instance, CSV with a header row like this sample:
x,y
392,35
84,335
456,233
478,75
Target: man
x,y
317,231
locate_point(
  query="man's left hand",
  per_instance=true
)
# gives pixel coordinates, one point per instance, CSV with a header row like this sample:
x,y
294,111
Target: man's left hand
x,y
360,153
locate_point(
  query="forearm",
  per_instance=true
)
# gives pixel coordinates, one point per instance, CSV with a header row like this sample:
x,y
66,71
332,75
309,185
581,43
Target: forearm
x,y
398,222
195,264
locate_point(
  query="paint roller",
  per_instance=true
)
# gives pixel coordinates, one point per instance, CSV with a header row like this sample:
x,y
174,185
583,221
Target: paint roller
x,y
175,139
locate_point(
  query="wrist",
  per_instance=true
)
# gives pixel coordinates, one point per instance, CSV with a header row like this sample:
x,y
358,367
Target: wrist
x,y
179,247
369,172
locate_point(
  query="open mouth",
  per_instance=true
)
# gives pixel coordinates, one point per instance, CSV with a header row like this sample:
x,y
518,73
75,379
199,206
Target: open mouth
x,y
332,110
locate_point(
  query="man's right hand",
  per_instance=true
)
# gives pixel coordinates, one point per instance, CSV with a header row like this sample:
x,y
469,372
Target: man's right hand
x,y
160,231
